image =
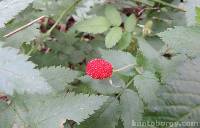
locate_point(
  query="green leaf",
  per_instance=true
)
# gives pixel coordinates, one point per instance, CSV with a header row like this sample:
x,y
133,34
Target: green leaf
x,y
9,9
107,117
180,94
147,84
149,58
59,77
147,2
148,51
113,36
40,4
198,15
131,107
130,23
104,86
52,8
120,124
52,111
25,35
183,40
77,56
93,25
7,116
125,60
17,74
168,66
50,59
190,14
113,15
124,41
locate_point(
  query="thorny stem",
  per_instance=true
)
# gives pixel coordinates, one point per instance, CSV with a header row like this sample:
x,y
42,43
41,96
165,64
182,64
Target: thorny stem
x,y
23,27
65,12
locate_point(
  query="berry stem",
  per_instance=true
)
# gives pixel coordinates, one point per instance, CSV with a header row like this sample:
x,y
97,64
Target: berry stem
x,y
123,68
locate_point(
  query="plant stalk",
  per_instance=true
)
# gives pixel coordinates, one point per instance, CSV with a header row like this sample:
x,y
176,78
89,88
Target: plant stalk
x,y
23,27
65,12
169,5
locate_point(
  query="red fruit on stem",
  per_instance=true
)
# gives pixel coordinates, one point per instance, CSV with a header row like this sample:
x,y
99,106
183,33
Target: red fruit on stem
x,y
99,69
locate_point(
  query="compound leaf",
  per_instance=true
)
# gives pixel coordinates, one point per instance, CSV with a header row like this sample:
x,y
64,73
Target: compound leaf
x,y
52,111
18,74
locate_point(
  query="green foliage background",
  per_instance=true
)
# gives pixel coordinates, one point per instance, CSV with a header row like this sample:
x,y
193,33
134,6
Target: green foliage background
x,y
42,74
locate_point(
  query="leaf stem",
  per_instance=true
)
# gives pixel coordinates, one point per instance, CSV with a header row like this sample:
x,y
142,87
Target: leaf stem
x,y
66,11
123,68
127,85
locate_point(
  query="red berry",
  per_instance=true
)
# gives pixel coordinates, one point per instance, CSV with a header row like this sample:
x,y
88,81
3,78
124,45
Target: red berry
x,y
99,69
